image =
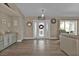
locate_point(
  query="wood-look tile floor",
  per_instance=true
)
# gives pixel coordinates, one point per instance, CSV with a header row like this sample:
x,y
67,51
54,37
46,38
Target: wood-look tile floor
x,y
34,48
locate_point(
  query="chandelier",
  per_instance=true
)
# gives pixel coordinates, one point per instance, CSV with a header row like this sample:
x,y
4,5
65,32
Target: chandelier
x,y
42,17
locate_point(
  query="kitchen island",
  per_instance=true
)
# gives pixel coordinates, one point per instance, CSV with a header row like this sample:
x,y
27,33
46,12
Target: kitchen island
x,y
69,44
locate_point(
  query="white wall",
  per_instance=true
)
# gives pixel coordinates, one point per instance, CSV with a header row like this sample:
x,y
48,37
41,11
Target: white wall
x,y
28,31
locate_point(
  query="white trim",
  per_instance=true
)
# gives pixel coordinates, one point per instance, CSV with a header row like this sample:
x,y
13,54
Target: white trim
x,y
53,37
34,32
28,37
34,38
19,40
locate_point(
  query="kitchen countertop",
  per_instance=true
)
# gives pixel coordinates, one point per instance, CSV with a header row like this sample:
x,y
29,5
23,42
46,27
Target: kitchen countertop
x,y
70,35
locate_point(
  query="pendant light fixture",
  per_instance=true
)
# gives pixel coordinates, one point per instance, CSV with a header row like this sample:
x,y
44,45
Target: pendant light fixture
x,y
42,11
42,17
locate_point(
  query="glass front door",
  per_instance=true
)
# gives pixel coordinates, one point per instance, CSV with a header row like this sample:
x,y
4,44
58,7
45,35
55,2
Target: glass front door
x,y
41,29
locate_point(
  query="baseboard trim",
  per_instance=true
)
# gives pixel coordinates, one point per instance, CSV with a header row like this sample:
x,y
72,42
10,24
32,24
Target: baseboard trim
x,y
28,37
53,37
19,40
34,38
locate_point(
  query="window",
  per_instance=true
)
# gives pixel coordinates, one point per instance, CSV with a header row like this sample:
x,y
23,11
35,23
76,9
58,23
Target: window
x,y
62,25
68,26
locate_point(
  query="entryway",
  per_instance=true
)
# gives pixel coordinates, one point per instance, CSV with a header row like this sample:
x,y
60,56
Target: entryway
x,y
41,29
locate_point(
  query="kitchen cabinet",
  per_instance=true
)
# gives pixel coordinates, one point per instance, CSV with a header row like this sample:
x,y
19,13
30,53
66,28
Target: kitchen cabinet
x,y
69,45
1,46
1,43
12,38
7,40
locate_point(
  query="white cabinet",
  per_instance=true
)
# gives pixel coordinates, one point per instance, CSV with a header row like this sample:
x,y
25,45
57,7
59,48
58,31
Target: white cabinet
x,y
1,43
1,46
6,40
62,41
69,45
1,38
12,38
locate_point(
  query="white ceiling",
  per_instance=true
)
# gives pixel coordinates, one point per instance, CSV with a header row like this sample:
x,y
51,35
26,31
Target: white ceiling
x,y
51,9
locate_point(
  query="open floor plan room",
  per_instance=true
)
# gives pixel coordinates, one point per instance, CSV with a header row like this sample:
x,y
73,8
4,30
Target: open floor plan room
x,y
34,48
39,29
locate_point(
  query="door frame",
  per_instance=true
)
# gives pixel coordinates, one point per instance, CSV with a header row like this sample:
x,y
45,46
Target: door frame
x,y
34,34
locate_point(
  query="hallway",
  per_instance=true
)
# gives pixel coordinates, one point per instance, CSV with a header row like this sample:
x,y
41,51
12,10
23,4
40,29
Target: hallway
x,y
34,48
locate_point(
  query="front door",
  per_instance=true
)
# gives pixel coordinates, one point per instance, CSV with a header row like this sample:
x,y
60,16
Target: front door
x,y
41,29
